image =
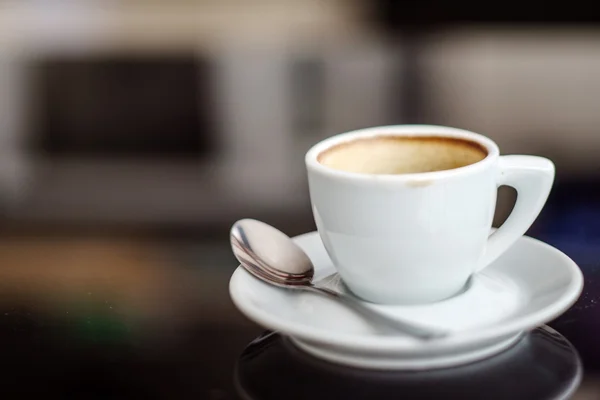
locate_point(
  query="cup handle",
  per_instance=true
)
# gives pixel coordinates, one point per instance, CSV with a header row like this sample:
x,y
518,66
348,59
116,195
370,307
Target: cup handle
x,y
532,178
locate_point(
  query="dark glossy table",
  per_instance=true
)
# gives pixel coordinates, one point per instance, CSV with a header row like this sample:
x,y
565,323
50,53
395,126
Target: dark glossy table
x,y
85,316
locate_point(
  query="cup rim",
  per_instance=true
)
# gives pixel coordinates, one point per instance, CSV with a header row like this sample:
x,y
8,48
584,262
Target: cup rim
x,y
312,163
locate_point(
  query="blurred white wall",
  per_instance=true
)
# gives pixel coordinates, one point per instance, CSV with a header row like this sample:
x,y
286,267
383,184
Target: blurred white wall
x,y
138,25
533,91
253,44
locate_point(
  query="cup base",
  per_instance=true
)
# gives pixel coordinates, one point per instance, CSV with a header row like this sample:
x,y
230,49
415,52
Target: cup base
x,y
382,299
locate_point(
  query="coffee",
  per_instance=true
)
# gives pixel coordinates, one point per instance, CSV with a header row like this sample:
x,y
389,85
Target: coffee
x,y
391,155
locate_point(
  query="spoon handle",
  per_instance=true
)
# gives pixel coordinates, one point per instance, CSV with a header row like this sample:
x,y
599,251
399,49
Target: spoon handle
x,y
409,328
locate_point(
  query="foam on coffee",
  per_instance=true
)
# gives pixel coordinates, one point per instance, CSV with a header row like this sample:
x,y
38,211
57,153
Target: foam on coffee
x,y
402,154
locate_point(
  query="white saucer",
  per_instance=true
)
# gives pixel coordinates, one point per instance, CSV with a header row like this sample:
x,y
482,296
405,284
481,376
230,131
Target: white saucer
x,y
528,286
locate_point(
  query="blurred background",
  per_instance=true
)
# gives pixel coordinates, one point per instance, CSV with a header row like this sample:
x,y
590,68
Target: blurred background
x,y
134,133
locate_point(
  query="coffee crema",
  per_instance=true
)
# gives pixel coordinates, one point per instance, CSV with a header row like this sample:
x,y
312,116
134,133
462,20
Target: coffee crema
x,y
393,155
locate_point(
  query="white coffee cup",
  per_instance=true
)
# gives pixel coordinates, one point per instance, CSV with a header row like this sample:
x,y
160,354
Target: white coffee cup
x,y
417,237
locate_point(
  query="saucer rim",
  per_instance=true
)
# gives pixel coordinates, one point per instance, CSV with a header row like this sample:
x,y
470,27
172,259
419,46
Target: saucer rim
x,y
488,333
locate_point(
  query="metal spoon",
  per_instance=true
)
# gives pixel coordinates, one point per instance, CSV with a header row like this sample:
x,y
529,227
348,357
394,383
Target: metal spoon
x,y
271,256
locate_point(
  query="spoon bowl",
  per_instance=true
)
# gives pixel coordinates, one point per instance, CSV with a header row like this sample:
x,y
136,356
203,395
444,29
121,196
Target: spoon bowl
x,y
270,254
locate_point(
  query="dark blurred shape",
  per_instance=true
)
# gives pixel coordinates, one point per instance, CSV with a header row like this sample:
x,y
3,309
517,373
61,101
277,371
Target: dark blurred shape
x,y
124,105
401,15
